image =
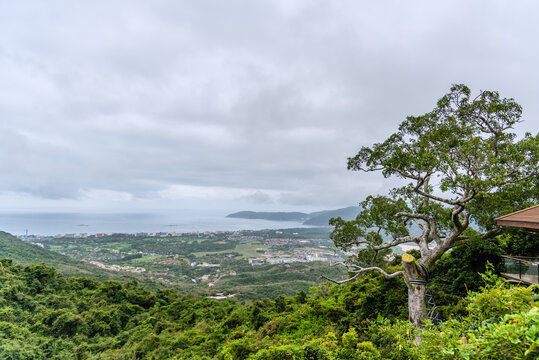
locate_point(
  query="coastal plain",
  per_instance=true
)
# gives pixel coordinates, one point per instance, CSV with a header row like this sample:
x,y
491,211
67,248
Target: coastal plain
x,y
241,264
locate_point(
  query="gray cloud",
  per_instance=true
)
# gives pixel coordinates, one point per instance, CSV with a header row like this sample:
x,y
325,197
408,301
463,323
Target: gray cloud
x,y
258,197
249,103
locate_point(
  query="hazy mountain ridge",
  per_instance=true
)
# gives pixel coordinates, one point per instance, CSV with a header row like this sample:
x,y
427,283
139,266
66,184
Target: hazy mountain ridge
x,y
318,218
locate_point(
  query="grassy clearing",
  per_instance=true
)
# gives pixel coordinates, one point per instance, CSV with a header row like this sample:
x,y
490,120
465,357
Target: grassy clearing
x,y
247,250
120,246
204,253
147,259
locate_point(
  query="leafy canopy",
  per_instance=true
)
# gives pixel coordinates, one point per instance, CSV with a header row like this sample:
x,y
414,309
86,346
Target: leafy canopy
x,y
461,164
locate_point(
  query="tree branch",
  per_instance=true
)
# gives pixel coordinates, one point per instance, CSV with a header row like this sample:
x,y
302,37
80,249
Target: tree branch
x,y
459,241
491,233
405,175
437,198
432,228
534,173
361,271
395,242
373,260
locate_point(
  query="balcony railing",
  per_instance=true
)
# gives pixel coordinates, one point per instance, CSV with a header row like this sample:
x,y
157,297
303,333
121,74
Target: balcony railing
x,y
522,269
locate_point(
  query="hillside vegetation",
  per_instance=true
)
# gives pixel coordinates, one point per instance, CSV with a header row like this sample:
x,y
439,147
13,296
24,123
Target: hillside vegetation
x,y
44,315
202,264
23,253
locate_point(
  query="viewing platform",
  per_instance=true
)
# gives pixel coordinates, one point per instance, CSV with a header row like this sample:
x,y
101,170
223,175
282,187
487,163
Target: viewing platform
x,y
521,269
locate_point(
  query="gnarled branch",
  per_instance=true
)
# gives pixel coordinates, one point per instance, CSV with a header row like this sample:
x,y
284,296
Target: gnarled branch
x,y
433,229
360,270
395,242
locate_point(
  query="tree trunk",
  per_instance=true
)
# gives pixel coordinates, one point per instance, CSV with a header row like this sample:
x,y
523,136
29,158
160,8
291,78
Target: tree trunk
x,y
417,307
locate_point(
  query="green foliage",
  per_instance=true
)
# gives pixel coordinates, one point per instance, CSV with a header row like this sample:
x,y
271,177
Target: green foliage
x,y
238,349
501,324
520,242
462,165
45,316
20,252
350,339
285,352
466,146
169,261
457,272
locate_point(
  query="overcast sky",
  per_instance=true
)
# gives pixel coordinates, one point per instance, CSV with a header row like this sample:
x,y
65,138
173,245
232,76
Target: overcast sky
x,y
234,105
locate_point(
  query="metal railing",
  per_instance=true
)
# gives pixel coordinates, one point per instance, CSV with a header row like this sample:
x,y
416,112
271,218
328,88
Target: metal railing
x,y
521,268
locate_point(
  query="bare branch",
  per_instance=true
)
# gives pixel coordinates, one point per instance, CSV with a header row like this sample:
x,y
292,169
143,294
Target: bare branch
x,y
361,271
395,242
432,228
466,219
463,200
340,281
437,198
373,260
345,265
455,217
421,225
370,170
383,246
534,173
363,242
413,216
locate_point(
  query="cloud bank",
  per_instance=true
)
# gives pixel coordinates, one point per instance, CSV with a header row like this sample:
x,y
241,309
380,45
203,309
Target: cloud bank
x,y
136,105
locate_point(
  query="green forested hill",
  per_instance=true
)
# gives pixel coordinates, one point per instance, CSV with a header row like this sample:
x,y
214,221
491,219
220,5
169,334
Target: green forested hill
x,y
46,316
24,253
321,218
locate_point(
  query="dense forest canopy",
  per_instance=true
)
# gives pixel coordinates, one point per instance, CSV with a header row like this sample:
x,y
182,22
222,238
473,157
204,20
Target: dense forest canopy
x,y
46,316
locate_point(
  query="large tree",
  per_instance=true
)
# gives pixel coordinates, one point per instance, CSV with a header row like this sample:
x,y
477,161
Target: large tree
x,y
462,165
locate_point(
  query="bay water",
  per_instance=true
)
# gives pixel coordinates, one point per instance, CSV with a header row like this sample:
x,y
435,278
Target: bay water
x,y
49,224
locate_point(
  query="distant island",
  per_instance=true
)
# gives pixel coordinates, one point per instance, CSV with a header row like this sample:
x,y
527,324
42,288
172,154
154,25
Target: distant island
x,y
319,218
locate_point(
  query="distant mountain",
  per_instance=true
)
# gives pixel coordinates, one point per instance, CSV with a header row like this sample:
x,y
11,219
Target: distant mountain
x,y
319,218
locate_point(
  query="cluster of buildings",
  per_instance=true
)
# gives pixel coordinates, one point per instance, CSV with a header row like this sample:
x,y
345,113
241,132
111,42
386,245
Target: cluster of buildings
x,y
117,267
216,277
298,256
138,234
285,242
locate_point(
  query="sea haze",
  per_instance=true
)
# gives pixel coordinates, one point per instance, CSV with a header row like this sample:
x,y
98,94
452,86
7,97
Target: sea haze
x,y
67,223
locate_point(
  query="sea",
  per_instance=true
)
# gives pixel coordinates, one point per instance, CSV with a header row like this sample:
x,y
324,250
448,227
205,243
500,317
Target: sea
x,y
50,224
